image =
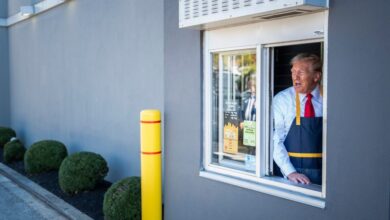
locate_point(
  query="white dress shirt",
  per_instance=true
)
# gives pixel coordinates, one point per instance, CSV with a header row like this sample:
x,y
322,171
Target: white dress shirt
x,y
284,114
249,109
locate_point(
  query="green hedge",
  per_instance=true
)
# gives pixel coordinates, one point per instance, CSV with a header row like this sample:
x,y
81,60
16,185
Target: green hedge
x,y
13,151
44,156
123,200
82,171
5,135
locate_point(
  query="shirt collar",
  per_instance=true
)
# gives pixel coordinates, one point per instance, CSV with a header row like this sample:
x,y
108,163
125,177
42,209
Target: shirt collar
x,y
316,94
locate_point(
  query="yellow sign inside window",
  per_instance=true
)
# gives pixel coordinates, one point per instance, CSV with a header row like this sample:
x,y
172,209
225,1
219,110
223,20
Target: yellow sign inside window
x,y
230,139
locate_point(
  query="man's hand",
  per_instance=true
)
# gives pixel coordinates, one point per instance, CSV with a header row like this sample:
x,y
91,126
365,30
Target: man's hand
x,y
298,178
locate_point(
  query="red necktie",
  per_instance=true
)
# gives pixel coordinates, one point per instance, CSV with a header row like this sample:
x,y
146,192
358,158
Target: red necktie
x,y
309,109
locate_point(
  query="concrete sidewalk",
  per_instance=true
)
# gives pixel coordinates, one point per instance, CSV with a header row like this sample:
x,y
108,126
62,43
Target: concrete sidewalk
x,y
20,198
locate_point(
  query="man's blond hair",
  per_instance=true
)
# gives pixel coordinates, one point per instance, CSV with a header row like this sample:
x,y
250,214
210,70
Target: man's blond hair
x,y
316,63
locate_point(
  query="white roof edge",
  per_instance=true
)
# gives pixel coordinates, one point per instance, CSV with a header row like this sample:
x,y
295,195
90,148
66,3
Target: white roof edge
x,y
40,7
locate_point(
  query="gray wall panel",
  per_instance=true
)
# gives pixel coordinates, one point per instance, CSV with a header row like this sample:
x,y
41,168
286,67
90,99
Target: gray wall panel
x,y
4,79
182,116
358,149
3,8
4,69
358,153
82,72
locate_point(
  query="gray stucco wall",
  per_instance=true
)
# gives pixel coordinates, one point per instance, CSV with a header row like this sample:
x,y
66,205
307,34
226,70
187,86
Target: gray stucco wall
x,y
4,70
82,72
4,78
358,167
3,8
358,123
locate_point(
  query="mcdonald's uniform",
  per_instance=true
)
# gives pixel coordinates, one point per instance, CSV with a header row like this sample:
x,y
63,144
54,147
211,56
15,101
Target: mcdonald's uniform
x,y
298,146
304,146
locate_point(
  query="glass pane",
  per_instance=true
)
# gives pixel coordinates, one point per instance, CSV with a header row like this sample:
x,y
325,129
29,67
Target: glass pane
x,y
234,110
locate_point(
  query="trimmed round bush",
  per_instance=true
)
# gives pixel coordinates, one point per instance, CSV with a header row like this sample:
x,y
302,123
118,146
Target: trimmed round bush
x,y
44,156
5,135
13,151
82,171
123,200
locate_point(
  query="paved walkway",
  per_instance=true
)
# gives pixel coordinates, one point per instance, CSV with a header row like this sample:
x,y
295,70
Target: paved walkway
x,y
16,203
22,199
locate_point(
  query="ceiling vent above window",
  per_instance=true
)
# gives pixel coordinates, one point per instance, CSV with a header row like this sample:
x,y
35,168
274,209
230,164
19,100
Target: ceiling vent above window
x,y
211,14
282,14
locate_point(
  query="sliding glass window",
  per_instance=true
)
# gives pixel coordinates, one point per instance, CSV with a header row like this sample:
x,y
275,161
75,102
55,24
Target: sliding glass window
x,y
234,144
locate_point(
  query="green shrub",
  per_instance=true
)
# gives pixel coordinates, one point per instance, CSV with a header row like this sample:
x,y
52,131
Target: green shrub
x,y
123,200
5,135
44,156
82,171
13,151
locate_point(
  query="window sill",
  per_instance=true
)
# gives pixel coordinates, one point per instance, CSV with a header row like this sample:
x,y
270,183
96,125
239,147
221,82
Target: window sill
x,y
268,189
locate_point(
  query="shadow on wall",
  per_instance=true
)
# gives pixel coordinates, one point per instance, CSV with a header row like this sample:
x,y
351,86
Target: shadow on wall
x,y
21,133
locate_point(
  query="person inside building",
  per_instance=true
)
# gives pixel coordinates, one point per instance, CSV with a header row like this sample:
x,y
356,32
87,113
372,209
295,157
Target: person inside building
x,y
248,117
249,102
298,122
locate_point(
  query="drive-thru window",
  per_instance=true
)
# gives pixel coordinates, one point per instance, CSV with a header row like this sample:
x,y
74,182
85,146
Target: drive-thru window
x,y
245,66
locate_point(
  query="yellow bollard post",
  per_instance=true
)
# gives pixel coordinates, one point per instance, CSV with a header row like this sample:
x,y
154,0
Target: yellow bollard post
x,y
151,198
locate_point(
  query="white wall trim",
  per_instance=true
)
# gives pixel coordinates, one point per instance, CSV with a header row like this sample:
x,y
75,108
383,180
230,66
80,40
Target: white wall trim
x,y
282,193
3,22
38,8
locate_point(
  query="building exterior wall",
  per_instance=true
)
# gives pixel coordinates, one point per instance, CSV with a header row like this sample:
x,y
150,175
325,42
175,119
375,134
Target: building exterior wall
x,y
14,5
358,125
4,70
358,168
182,103
3,9
82,72
4,78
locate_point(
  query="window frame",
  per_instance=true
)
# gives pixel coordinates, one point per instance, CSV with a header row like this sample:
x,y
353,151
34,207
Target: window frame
x,y
207,146
269,49
220,63
259,181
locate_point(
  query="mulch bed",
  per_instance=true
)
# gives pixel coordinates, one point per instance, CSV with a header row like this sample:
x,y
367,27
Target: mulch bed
x,y
90,203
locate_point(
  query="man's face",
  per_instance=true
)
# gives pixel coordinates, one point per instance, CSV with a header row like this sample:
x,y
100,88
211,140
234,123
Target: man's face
x,y
304,80
253,89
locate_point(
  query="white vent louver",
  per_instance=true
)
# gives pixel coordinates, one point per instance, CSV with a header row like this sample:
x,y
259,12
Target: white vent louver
x,y
208,14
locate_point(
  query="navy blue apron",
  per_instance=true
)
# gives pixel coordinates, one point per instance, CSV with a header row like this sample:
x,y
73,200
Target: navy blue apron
x,y
304,146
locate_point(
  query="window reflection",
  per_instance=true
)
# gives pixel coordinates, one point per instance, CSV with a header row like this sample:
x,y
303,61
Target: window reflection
x,y
234,109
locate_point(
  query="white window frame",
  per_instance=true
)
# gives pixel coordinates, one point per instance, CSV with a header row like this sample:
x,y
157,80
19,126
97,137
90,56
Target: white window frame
x,y
269,147
208,120
307,194
232,52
